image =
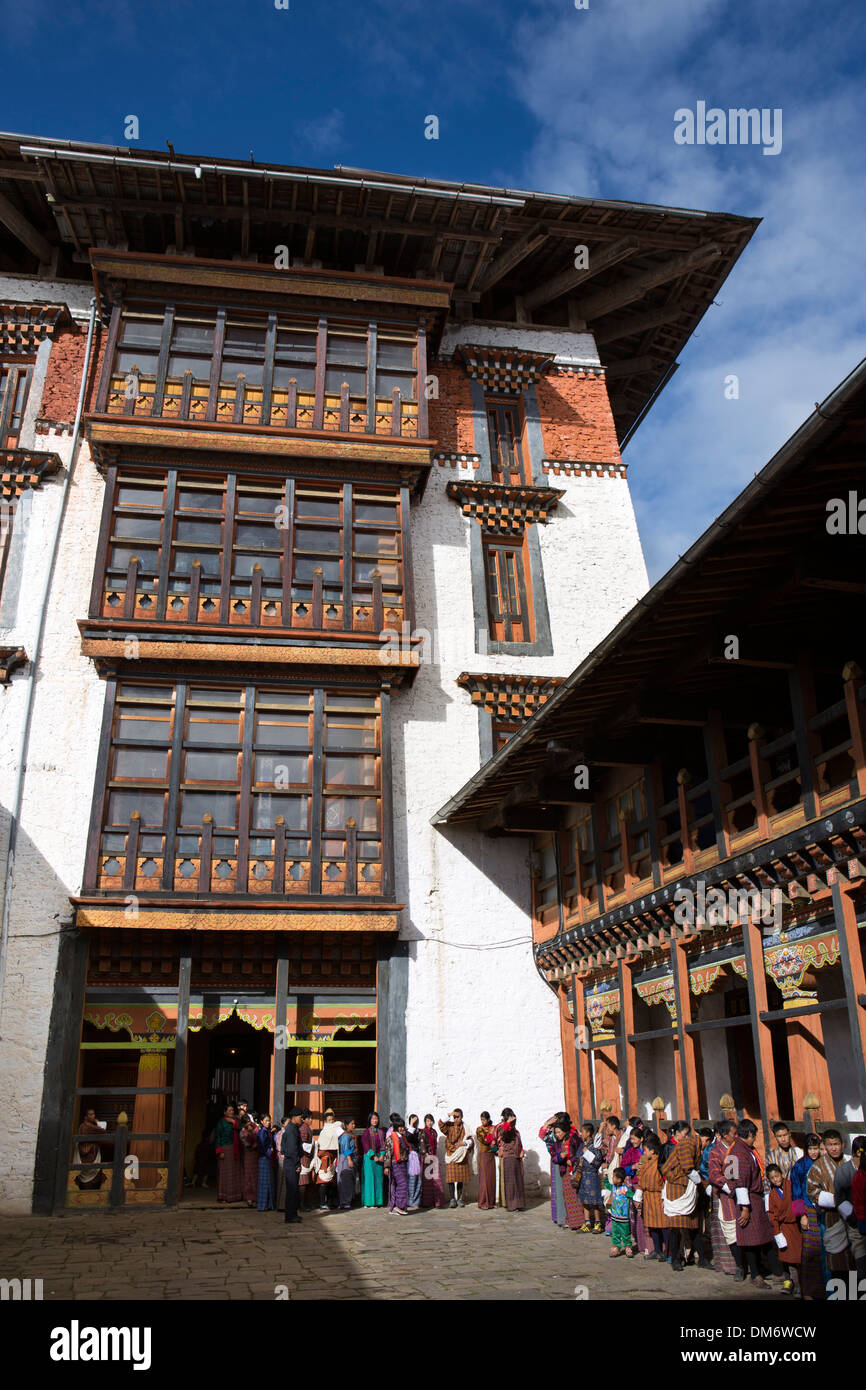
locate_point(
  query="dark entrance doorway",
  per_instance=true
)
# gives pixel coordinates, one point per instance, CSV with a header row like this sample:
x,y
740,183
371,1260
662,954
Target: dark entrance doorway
x,y
226,1064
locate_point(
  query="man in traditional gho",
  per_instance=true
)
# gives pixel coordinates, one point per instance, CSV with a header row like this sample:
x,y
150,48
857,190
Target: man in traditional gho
x,y
290,1146
458,1147
844,1246
783,1153
682,1179
721,1168
846,1174
90,1177
754,1232
328,1149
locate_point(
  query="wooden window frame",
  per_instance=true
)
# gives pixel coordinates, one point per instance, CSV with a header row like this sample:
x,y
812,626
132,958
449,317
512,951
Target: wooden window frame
x,y
216,394
518,613
362,856
166,591
507,442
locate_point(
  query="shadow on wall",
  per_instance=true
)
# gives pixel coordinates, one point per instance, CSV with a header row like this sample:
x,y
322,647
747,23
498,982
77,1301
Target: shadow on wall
x,y
40,1005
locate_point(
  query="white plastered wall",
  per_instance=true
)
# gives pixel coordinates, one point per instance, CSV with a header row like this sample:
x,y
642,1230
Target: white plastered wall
x,y
482,1029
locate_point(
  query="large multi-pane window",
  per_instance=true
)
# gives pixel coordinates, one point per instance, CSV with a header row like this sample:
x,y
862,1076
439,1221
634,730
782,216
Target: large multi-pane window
x,y
218,549
504,427
251,789
229,367
14,388
508,605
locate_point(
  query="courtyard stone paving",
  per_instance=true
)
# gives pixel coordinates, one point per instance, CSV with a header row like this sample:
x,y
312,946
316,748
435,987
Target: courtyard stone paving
x,y
207,1252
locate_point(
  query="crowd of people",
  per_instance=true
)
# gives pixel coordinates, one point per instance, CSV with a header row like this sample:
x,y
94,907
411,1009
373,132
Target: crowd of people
x,y
708,1198
705,1197
398,1165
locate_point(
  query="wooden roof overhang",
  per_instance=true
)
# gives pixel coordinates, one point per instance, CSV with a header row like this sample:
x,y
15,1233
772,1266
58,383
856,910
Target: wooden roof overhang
x,y
509,253
766,569
127,275
801,867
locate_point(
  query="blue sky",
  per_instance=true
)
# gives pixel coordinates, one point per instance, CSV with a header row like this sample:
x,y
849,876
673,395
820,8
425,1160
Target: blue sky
x,y
534,94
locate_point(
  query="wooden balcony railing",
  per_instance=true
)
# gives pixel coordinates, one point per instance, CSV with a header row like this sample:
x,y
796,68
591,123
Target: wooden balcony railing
x,y
238,403
212,862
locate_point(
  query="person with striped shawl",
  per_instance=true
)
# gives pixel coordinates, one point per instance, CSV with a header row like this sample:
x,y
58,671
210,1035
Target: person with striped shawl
x,y
680,1195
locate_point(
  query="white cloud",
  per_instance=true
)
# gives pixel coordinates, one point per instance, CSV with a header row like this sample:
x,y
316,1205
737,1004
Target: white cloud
x,y
603,85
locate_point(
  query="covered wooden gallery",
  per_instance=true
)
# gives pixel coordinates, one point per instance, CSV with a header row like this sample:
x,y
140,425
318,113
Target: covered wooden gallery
x,y
708,751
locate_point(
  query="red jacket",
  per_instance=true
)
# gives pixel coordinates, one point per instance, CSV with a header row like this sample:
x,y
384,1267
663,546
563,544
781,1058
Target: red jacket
x,y
858,1193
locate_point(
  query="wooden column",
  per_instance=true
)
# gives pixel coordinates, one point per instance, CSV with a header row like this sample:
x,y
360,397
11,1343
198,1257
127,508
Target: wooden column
x,y
760,775
808,1063
852,676
756,981
851,958
802,691
686,1042
714,747
278,1095
585,1096
178,1099
569,1055
628,1050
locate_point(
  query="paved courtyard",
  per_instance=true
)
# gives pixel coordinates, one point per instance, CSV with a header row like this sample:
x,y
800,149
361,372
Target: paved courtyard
x,y
206,1252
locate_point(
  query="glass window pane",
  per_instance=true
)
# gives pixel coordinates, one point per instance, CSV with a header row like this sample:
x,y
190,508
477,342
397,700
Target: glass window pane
x,y
137,527
377,542
350,772
201,532
363,571
261,536
233,367
350,731
212,731
197,500
304,568
209,560
128,358
386,382
222,806
282,735
293,809
345,348
178,363
245,339
137,330
150,806
210,767
268,564
396,354
339,809
281,768
355,379
130,496
140,764
318,538
152,730
296,342
304,377
383,512
148,560
193,337
326,508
